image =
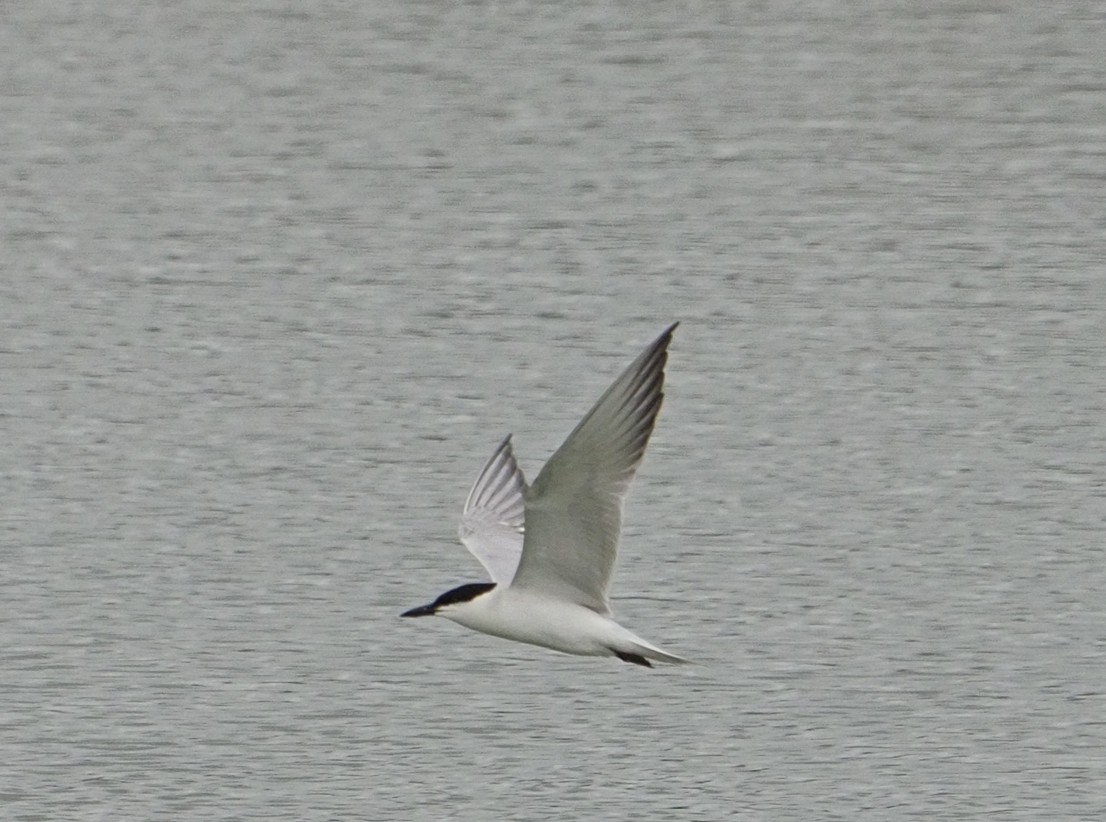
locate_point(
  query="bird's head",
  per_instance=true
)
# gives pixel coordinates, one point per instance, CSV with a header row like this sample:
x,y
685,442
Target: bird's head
x,y
452,598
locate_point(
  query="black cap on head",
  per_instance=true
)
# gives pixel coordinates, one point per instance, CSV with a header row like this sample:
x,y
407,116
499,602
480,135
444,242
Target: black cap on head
x,y
462,593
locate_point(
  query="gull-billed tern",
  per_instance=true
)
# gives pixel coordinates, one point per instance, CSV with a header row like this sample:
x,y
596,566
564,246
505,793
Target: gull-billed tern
x,y
550,547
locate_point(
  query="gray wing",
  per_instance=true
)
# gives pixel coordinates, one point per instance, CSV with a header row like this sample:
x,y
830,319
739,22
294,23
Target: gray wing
x,y
574,508
494,515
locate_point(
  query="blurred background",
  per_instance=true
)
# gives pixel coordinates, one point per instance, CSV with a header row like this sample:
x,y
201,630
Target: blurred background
x,y
277,277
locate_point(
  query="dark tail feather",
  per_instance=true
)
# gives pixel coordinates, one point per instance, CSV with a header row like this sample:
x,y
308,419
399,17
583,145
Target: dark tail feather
x,y
637,659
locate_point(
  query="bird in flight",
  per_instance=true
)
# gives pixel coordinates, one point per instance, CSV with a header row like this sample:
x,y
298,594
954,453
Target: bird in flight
x,y
550,547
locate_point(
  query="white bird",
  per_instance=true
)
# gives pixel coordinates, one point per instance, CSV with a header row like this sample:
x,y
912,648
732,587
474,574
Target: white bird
x,y
550,547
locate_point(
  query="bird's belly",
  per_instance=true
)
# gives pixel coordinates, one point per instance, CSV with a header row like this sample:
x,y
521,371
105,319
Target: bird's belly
x,y
562,626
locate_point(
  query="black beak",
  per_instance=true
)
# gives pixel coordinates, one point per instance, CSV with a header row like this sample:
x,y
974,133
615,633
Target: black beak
x,y
422,610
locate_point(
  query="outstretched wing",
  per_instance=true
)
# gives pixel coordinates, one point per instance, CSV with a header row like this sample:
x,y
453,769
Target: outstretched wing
x,y
494,517
574,507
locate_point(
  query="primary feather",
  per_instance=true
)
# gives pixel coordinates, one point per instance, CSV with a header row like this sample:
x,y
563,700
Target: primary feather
x,y
494,517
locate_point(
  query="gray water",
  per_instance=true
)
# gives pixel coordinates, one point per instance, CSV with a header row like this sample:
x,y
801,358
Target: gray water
x,y
277,277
